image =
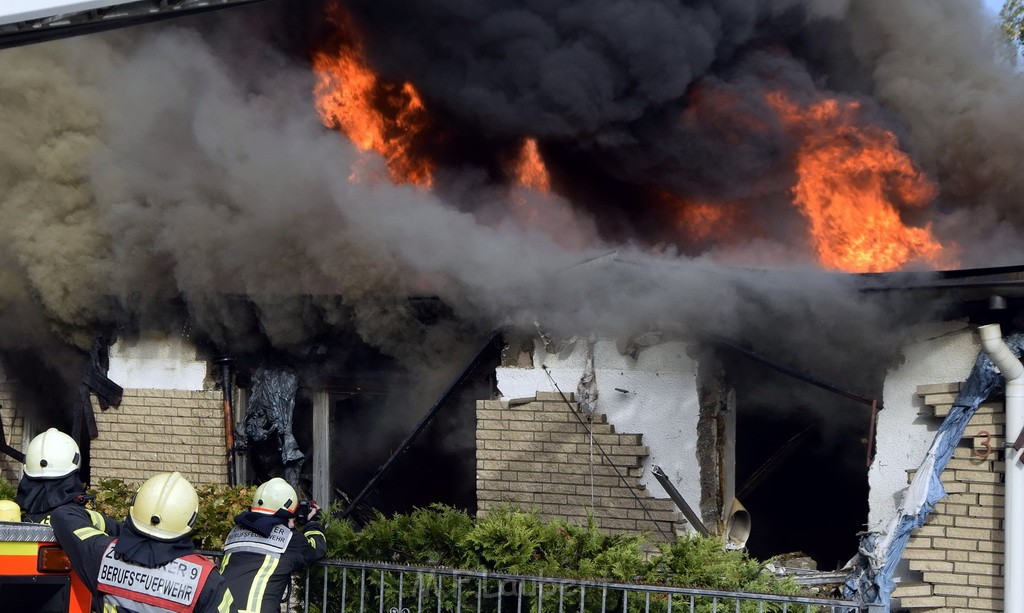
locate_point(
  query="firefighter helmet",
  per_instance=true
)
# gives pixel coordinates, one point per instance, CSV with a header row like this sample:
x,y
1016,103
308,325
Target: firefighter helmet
x,y
275,495
9,511
165,507
52,454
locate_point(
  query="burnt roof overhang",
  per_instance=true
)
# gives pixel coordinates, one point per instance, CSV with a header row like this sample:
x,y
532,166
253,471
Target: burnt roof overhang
x,y
110,16
971,285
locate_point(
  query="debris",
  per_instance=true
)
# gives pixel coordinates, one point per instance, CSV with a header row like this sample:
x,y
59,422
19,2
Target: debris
x,y
269,413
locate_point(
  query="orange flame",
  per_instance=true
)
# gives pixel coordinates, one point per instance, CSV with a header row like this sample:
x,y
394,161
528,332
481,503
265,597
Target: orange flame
x,y
700,218
852,181
704,221
376,115
530,170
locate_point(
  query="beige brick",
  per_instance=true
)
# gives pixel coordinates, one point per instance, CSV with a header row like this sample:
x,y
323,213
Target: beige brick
x,y
925,554
982,557
559,447
985,523
955,590
985,488
975,463
923,602
984,604
988,500
484,416
987,511
930,530
965,544
931,565
975,568
569,478
938,388
547,499
912,589
548,396
920,542
991,592
969,533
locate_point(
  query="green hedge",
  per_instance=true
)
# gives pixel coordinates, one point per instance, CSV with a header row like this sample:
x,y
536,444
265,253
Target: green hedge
x,y
7,491
506,540
520,542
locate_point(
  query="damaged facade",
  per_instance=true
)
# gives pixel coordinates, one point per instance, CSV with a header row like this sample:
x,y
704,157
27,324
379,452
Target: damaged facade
x,y
580,427
947,553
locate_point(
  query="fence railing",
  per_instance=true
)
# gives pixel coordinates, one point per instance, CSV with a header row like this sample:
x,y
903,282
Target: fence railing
x,y
365,587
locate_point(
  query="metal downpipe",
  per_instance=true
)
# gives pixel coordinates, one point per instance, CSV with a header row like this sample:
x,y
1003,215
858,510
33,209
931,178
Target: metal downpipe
x,y
1013,528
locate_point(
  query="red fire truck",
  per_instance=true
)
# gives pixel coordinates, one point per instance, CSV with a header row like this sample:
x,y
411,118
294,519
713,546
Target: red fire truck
x,y
35,574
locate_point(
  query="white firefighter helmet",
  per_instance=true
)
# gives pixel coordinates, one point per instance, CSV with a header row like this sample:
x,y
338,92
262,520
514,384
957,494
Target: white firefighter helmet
x,y
165,507
9,511
52,454
275,495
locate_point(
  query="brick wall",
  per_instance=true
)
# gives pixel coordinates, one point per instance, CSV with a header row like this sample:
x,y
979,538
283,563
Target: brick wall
x,y
958,553
537,455
14,428
160,430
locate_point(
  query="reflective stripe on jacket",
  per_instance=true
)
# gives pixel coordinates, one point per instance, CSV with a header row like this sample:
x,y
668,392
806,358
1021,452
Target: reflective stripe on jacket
x,y
257,568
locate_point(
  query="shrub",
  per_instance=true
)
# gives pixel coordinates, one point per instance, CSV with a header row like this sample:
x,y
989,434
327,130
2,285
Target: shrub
x,y
218,506
113,497
699,562
517,542
7,491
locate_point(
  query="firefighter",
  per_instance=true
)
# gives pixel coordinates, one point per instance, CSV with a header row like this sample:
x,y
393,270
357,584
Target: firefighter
x,y
265,548
152,567
51,480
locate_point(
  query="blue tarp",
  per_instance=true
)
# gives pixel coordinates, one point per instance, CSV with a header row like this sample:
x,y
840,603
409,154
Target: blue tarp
x,y
872,579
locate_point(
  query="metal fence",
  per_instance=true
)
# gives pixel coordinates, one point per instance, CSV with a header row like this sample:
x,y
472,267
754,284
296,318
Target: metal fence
x,y
366,587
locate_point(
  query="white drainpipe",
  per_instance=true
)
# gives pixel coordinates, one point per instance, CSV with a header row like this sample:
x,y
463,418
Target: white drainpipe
x,y
1013,526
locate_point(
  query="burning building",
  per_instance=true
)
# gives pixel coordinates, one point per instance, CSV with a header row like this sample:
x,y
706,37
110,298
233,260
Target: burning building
x,y
353,196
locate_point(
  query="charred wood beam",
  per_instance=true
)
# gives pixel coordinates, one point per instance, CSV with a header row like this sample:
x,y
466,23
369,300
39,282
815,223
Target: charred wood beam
x,y
108,394
229,416
874,403
772,463
796,374
492,346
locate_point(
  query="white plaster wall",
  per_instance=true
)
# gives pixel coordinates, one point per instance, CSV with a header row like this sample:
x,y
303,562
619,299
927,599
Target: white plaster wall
x,y
660,402
164,363
942,353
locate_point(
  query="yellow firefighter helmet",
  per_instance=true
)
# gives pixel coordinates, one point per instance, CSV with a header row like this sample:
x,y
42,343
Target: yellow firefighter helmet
x,y
51,455
275,495
165,507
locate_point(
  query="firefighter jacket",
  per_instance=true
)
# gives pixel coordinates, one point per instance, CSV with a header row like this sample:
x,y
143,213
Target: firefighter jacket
x,y
137,574
260,554
39,497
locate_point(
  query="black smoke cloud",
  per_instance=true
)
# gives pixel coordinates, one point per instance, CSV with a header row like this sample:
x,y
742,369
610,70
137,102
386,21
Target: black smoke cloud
x,y
580,70
604,78
183,161
609,82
